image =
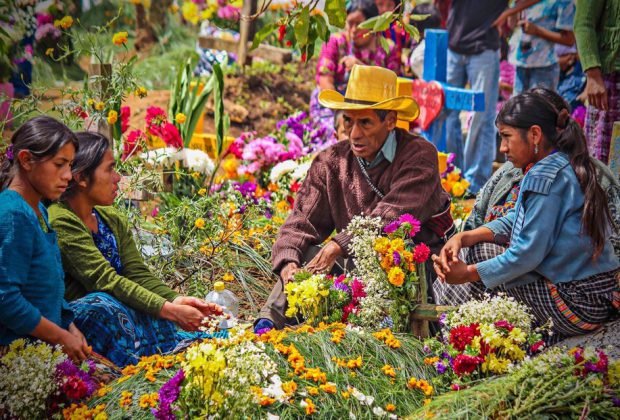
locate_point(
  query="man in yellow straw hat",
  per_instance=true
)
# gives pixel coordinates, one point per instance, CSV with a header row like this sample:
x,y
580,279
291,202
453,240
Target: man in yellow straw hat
x,y
380,171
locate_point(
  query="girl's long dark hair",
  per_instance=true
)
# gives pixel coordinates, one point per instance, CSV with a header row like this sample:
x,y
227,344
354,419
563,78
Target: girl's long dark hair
x,y
561,132
92,149
42,136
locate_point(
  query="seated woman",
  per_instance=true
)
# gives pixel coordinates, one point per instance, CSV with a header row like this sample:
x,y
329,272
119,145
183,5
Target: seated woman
x,y
559,260
36,166
124,311
500,192
344,50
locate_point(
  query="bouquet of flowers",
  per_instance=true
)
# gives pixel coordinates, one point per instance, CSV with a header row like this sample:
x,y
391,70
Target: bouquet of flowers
x,y
482,339
36,379
324,298
391,266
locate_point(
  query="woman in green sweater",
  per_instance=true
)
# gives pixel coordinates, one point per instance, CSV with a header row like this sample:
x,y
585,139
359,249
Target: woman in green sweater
x,y
124,311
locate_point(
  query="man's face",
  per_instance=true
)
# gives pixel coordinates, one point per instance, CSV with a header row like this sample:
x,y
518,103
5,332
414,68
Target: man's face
x,y
366,131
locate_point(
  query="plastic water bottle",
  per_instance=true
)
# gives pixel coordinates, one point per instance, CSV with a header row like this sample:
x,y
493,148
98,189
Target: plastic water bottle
x,y
227,300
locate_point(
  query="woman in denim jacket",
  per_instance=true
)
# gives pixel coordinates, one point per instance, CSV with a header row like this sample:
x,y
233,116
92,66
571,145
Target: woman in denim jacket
x,y
558,258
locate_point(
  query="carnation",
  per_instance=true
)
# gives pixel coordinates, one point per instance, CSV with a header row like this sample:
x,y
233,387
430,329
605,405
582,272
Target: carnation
x,y
421,253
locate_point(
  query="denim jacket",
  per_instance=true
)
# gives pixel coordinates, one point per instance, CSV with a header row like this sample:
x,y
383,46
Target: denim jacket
x,y
545,232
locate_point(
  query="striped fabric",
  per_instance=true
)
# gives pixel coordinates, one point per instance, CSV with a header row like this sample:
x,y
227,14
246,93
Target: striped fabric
x,y
574,308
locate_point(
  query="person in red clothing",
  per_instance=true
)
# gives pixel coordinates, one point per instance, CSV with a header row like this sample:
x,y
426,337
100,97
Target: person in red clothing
x,y
380,171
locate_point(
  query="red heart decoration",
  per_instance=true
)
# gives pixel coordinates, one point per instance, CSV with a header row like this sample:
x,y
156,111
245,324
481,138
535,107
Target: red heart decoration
x,y
430,99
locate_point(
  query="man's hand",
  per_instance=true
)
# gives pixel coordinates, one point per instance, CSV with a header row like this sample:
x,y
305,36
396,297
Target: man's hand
x,y
207,308
323,262
349,61
288,272
595,89
529,27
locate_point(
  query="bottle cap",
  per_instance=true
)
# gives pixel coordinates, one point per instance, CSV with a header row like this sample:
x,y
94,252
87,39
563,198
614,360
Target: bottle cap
x,y
219,286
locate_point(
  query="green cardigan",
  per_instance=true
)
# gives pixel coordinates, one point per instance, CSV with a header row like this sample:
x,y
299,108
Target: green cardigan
x,y
86,269
597,31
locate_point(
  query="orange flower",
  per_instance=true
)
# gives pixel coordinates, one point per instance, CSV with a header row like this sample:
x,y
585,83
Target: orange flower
x,y
337,336
265,401
329,388
390,408
120,38
389,371
309,406
312,390
431,360
355,363
315,374
289,388
396,276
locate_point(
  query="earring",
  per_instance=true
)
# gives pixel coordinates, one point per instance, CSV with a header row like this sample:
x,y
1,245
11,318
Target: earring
x,y
535,149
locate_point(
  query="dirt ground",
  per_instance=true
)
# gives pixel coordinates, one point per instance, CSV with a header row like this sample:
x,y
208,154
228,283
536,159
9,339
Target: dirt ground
x,y
253,102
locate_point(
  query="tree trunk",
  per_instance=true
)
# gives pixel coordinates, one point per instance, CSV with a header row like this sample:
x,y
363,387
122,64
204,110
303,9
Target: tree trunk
x,y
145,34
158,13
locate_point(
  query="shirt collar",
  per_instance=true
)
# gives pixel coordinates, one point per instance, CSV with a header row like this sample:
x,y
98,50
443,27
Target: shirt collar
x,y
388,151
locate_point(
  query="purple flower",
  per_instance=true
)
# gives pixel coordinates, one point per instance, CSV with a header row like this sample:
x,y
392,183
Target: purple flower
x,y
268,214
9,153
391,227
442,319
263,330
396,257
426,349
168,394
67,369
441,368
615,401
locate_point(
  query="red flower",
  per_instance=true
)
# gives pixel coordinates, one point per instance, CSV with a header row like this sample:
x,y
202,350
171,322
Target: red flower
x,y
461,336
133,143
125,114
289,43
303,57
79,111
291,200
537,346
171,136
504,324
421,253
464,364
281,33
295,186
75,388
155,116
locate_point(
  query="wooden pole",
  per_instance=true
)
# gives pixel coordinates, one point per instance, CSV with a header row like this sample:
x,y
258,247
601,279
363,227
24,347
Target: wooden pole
x,y
247,29
100,75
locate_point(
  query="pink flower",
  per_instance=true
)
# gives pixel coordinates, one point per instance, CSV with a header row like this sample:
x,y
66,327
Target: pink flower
x,y
171,135
155,116
421,253
537,346
412,221
155,211
125,114
228,12
133,143
504,324
464,364
357,290
44,18
45,30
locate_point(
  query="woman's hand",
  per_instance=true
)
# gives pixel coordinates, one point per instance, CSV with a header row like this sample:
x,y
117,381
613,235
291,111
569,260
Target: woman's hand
x,y
326,258
595,89
185,316
529,28
76,332
207,308
449,252
349,61
74,345
459,273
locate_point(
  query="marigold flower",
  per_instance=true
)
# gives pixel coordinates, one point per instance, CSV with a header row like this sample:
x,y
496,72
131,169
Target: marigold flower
x,y
265,401
329,388
120,38
180,118
140,92
64,23
312,390
345,394
309,406
228,277
99,106
112,117
396,277
199,223
337,336
49,52
126,399
390,408
289,387
389,371
202,191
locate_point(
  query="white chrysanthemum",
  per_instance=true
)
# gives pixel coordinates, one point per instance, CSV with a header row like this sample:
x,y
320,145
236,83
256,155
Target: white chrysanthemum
x,y
197,160
301,171
282,169
165,156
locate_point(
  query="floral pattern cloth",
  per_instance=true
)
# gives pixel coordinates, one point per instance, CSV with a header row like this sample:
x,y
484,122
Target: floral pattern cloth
x,y
106,242
339,47
533,51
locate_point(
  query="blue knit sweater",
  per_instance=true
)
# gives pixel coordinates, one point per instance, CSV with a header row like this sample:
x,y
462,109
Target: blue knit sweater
x,y
31,275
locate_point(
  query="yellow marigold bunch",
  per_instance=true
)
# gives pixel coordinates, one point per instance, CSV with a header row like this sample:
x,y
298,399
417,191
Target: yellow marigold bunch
x,y
386,336
120,38
64,23
112,117
312,390
421,384
355,363
126,399
289,387
148,400
389,371
315,374
329,388
309,406
431,360
337,336
81,411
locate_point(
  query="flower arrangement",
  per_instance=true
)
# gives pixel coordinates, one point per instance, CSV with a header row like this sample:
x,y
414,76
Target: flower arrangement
x,y
482,339
451,179
559,383
391,267
323,298
36,380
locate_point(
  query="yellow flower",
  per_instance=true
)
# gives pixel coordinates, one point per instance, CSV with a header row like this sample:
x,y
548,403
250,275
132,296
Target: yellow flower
x,y
397,245
148,400
337,336
329,388
390,408
427,401
289,388
189,10
90,102
389,371
265,401
49,52
396,276
202,191
431,360
355,363
99,106
126,399
309,406
517,335
312,390
195,174
457,189
199,223
180,118
345,394
174,8
140,92
381,245
228,277
120,38
112,117
64,23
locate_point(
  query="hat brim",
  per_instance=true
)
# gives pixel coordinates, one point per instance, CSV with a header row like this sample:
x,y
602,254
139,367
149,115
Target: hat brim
x,y
406,107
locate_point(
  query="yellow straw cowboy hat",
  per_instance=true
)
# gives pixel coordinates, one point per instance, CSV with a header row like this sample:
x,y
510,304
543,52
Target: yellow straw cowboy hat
x,y
371,87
